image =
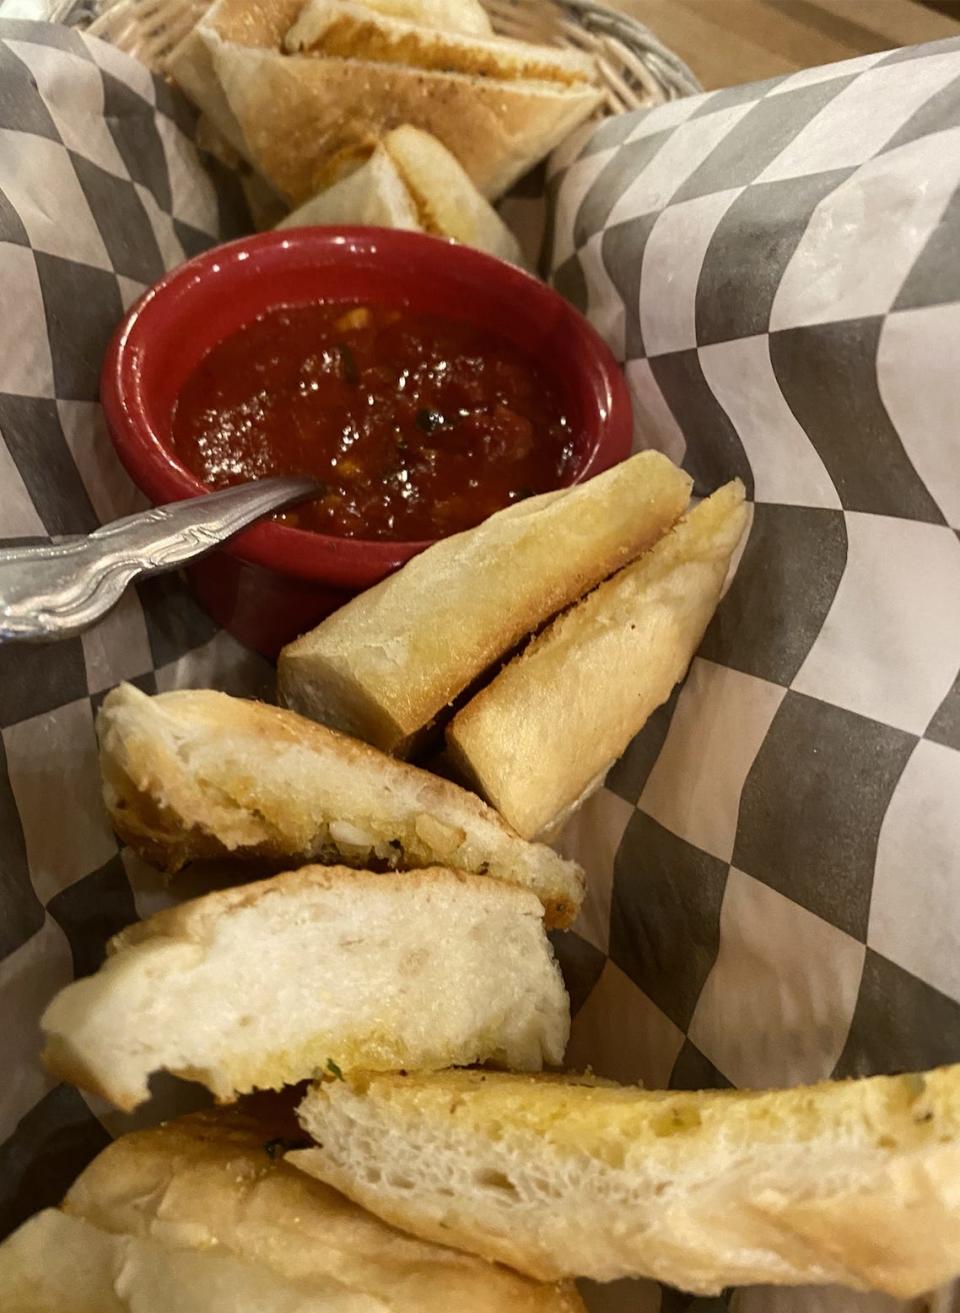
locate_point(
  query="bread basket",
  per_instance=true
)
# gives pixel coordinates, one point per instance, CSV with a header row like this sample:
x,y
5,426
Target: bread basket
x,y
636,69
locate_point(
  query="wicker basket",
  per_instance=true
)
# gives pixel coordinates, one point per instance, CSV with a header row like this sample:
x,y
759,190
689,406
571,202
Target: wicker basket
x,y
636,69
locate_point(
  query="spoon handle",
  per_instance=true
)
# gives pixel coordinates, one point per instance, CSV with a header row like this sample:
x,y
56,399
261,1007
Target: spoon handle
x,y
59,589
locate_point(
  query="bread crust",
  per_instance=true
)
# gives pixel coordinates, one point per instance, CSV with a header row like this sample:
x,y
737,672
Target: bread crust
x,y
219,1179
295,112
351,29
386,664
374,194
325,968
541,736
412,181
198,774
849,1182
447,202
197,920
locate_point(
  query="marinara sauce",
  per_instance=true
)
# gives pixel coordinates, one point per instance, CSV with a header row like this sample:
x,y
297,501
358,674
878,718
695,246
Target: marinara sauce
x,y
417,426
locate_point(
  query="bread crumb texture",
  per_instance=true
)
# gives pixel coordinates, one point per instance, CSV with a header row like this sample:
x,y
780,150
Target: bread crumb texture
x,y
855,1182
273,982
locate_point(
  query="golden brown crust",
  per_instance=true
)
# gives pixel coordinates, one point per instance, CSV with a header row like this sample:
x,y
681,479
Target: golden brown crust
x,y
446,201
289,114
198,774
386,664
296,111
353,31
372,194
543,733
254,22
854,1182
218,1178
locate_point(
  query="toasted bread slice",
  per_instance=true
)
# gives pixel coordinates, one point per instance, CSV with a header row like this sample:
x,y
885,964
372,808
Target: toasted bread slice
x,y
412,181
217,1182
543,734
199,774
374,194
320,969
386,664
467,17
446,201
354,30
290,116
853,1182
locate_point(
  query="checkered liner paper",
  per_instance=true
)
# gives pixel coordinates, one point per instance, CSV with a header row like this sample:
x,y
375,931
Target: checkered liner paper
x,y
773,864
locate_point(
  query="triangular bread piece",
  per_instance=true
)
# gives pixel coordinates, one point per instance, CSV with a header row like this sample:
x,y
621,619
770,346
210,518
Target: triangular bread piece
x,y
289,115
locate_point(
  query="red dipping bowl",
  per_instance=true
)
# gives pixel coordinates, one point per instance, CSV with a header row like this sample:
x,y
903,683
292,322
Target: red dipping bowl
x,y
274,581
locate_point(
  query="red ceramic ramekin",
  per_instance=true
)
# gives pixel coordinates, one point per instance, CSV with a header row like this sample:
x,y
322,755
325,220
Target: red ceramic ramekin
x,y
273,582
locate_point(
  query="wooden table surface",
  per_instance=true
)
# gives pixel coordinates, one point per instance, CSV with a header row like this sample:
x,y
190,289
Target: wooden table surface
x,y
730,41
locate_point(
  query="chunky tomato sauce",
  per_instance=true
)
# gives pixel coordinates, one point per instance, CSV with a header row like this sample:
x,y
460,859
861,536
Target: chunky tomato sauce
x,y
417,426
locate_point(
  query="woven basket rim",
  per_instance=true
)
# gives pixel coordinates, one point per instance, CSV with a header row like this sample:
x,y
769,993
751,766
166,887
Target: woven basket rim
x,y
642,56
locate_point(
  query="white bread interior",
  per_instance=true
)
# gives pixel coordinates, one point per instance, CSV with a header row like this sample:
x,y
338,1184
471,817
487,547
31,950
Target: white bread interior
x,y
543,734
199,774
386,664
848,1182
322,969
216,1182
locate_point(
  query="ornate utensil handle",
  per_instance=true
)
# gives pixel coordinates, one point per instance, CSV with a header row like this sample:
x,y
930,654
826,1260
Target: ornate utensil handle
x,y
59,589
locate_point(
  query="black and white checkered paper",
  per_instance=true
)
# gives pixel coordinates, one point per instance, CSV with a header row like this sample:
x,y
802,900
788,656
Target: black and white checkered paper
x,y
775,862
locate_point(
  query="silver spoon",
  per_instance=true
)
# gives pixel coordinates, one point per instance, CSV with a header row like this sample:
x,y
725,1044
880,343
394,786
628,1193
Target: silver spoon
x,y
59,589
